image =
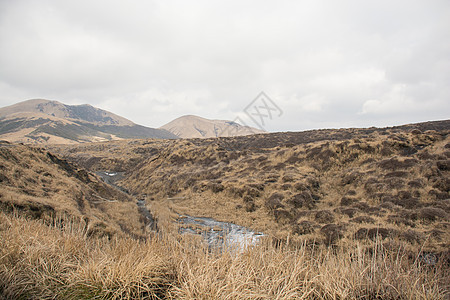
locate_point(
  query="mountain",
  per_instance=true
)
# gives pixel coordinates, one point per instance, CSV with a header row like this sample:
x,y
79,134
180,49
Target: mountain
x,y
196,127
51,122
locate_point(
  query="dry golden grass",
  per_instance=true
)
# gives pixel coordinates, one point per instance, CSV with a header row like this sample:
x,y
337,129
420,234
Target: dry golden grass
x,y
393,180
39,185
348,214
60,261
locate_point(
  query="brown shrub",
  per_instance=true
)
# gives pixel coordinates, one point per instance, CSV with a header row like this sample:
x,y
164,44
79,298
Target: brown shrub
x,y
410,214
4,179
350,178
282,216
372,186
313,183
286,186
407,202
326,155
216,187
364,207
351,192
442,184
279,166
386,148
300,186
288,178
293,159
438,195
350,212
302,200
436,233
396,174
272,178
274,201
363,219
387,205
29,209
324,216
443,165
250,206
236,191
252,192
425,155
399,220
304,227
416,183
432,214
404,194
393,183
332,233
394,163
373,233
258,186
368,161
442,204
346,201
247,198
411,236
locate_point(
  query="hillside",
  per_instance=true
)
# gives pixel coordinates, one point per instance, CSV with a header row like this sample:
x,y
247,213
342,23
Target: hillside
x,y
343,214
51,122
39,185
197,127
324,186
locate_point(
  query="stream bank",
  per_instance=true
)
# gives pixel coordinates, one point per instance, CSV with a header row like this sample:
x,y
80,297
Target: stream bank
x,y
216,234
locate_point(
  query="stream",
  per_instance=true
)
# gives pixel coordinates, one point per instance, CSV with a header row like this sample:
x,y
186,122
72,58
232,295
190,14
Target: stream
x,y
219,234
111,178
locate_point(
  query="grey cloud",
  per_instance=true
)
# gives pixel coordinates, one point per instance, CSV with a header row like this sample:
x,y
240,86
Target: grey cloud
x,y
327,64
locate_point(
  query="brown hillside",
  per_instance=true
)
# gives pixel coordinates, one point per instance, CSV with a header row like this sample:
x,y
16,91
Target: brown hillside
x,y
39,185
347,214
317,186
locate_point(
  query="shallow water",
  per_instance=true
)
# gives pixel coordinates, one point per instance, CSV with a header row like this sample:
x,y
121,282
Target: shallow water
x,y
111,178
219,234
216,233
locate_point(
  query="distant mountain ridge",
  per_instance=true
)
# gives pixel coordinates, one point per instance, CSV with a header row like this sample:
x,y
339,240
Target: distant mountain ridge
x,y
42,121
191,126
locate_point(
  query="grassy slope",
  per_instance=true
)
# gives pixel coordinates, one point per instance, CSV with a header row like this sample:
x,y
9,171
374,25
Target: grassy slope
x,y
320,191
306,189
62,262
39,185
320,186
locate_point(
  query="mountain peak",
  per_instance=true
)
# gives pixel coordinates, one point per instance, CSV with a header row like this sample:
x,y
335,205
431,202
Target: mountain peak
x,y
46,121
191,126
83,112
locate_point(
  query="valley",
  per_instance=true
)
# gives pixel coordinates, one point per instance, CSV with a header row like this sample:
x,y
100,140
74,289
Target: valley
x,y
322,186
166,213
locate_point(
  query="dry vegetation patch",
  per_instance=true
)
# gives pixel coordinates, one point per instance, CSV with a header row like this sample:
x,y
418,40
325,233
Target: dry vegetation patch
x,y
351,213
61,261
388,177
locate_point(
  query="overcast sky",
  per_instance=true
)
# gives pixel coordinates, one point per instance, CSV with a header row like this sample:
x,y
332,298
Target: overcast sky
x,y
324,63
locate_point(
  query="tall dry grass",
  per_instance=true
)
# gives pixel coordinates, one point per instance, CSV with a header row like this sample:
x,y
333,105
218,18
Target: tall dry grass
x,y
61,261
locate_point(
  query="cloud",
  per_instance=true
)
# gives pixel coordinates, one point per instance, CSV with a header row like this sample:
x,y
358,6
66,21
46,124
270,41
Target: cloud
x,y
324,63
